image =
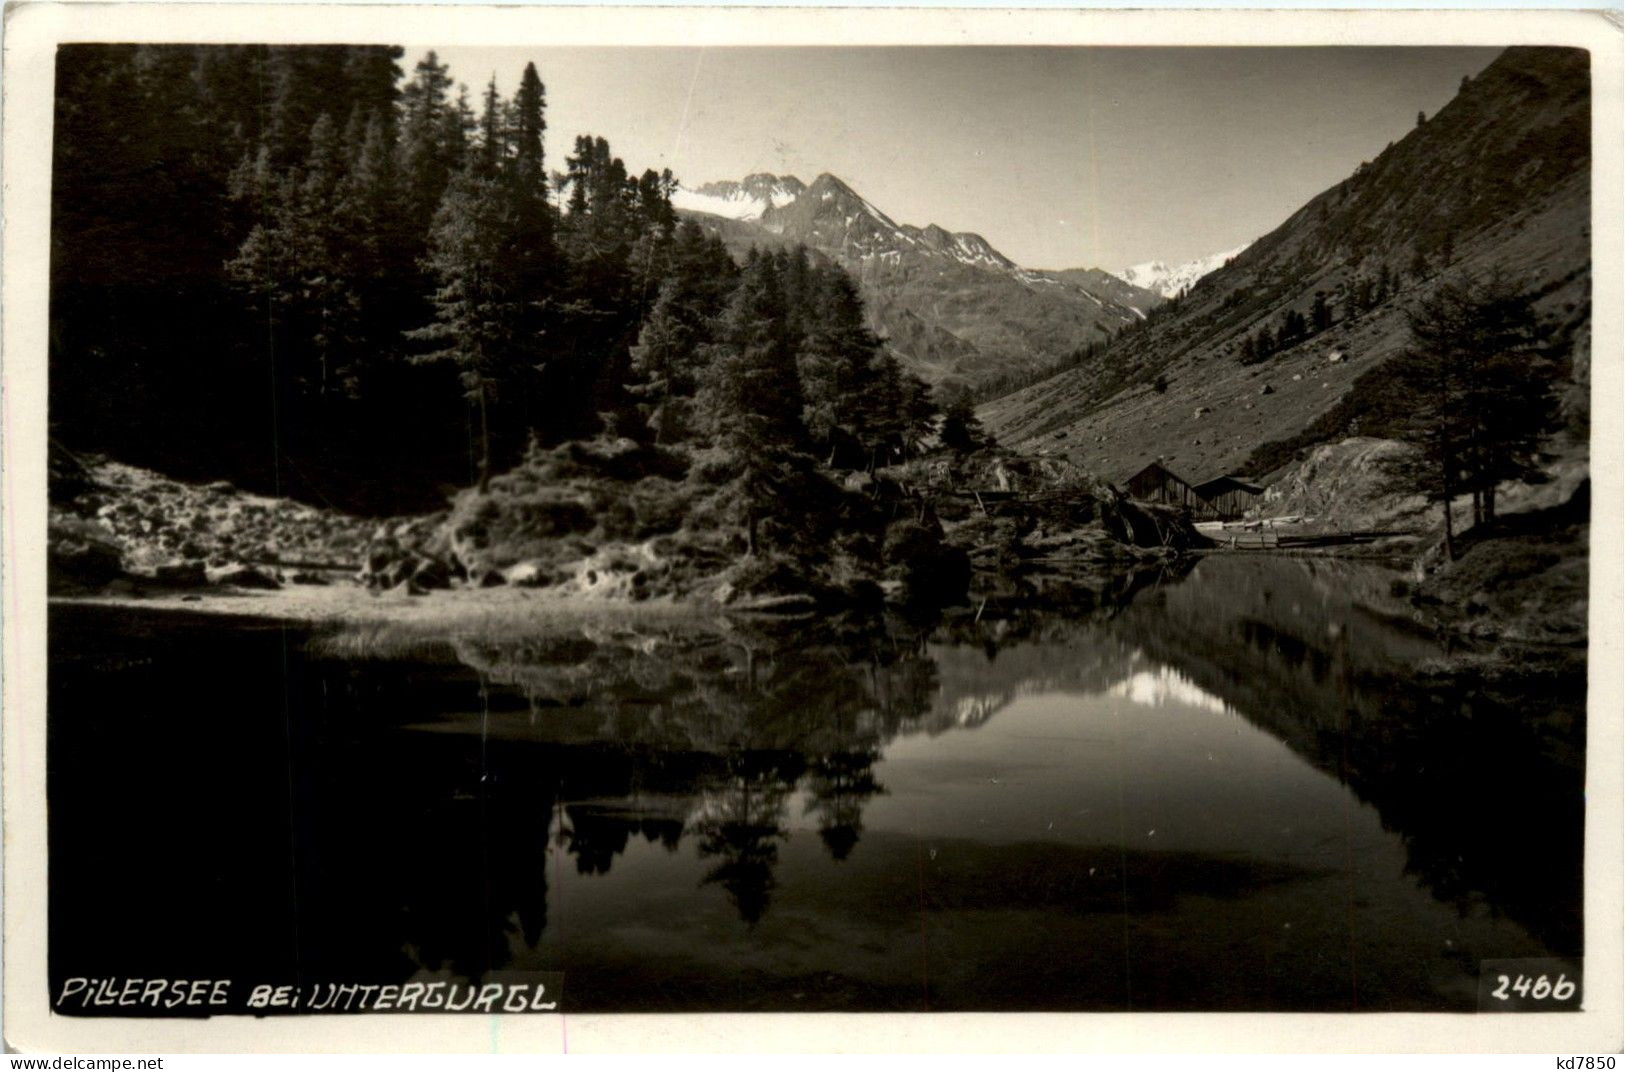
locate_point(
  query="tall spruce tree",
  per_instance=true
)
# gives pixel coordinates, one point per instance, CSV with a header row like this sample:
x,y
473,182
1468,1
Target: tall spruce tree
x,y
1320,313
533,256
847,392
669,357
476,313
428,151
752,399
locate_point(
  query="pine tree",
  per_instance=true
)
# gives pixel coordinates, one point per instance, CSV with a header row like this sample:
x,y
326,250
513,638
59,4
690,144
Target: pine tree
x,y
885,425
1292,330
961,430
530,123
493,132
668,358
851,393
1360,295
919,414
297,262
1249,350
752,400
1419,264
367,211
1320,314
476,314
532,257
662,365
1480,368
427,152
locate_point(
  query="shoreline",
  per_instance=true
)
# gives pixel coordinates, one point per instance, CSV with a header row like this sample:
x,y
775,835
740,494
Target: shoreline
x,y
344,603
354,605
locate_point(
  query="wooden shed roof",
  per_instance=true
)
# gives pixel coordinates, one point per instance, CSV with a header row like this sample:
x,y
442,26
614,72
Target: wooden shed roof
x,y
1156,469
1221,484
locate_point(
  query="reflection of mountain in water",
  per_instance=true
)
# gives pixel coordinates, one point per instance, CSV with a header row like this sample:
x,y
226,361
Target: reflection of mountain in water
x,y
765,715
1483,781
1484,784
1165,685
427,787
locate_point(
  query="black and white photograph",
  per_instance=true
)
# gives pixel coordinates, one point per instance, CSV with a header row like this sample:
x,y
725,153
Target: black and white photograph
x,y
545,529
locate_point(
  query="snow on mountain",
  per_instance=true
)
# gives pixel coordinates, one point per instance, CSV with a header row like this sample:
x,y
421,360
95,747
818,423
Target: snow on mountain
x,y
1157,688
949,303
1169,279
744,200
734,207
1521,127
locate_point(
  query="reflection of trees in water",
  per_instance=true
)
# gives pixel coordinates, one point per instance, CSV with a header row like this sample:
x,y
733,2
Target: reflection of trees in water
x,y
713,727
1068,593
594,838
1482,779
708,732
416,851
740,824
838,787
474,877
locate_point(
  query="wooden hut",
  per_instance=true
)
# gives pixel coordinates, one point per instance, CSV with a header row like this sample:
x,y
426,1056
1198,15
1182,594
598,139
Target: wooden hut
x,y
1226,496
1158,485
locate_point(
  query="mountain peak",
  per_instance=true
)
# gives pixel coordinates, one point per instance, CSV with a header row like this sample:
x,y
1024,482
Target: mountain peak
x,y
954,306
826,181
830,203
1169,279
1463,192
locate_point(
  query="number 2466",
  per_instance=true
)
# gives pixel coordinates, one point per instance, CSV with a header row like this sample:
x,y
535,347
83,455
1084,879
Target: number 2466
x,y
1538,989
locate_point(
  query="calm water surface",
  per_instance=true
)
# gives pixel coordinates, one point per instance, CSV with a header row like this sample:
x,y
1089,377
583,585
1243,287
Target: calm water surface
x,y
1228,790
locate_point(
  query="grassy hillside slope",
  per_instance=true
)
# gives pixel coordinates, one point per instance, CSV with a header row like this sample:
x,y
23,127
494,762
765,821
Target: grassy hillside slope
x,y
1499,177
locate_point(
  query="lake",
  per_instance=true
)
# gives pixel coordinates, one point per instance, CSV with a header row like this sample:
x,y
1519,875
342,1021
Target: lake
x,y
1224,787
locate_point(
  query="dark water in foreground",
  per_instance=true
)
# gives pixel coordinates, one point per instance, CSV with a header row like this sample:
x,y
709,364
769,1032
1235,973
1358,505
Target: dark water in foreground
x,y
1230,790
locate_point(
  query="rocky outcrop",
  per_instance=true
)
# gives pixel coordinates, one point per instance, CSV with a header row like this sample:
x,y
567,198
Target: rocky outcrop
x,y
156,522
615,520
116,523
80,556
240,576
1352,483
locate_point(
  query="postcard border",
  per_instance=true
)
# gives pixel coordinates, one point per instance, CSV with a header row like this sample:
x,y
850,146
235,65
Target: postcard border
x,y
32,30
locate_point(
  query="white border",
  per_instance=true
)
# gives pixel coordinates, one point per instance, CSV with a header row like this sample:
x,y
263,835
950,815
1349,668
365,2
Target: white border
x,y
30,34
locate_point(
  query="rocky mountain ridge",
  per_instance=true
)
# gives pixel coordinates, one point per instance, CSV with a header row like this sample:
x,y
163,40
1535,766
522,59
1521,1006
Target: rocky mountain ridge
x,y
955,309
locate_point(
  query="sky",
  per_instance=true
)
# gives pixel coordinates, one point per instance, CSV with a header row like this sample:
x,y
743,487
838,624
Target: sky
x,y
1061,157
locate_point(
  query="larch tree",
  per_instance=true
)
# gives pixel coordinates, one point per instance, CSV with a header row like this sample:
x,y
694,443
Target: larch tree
x,y
1481,368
